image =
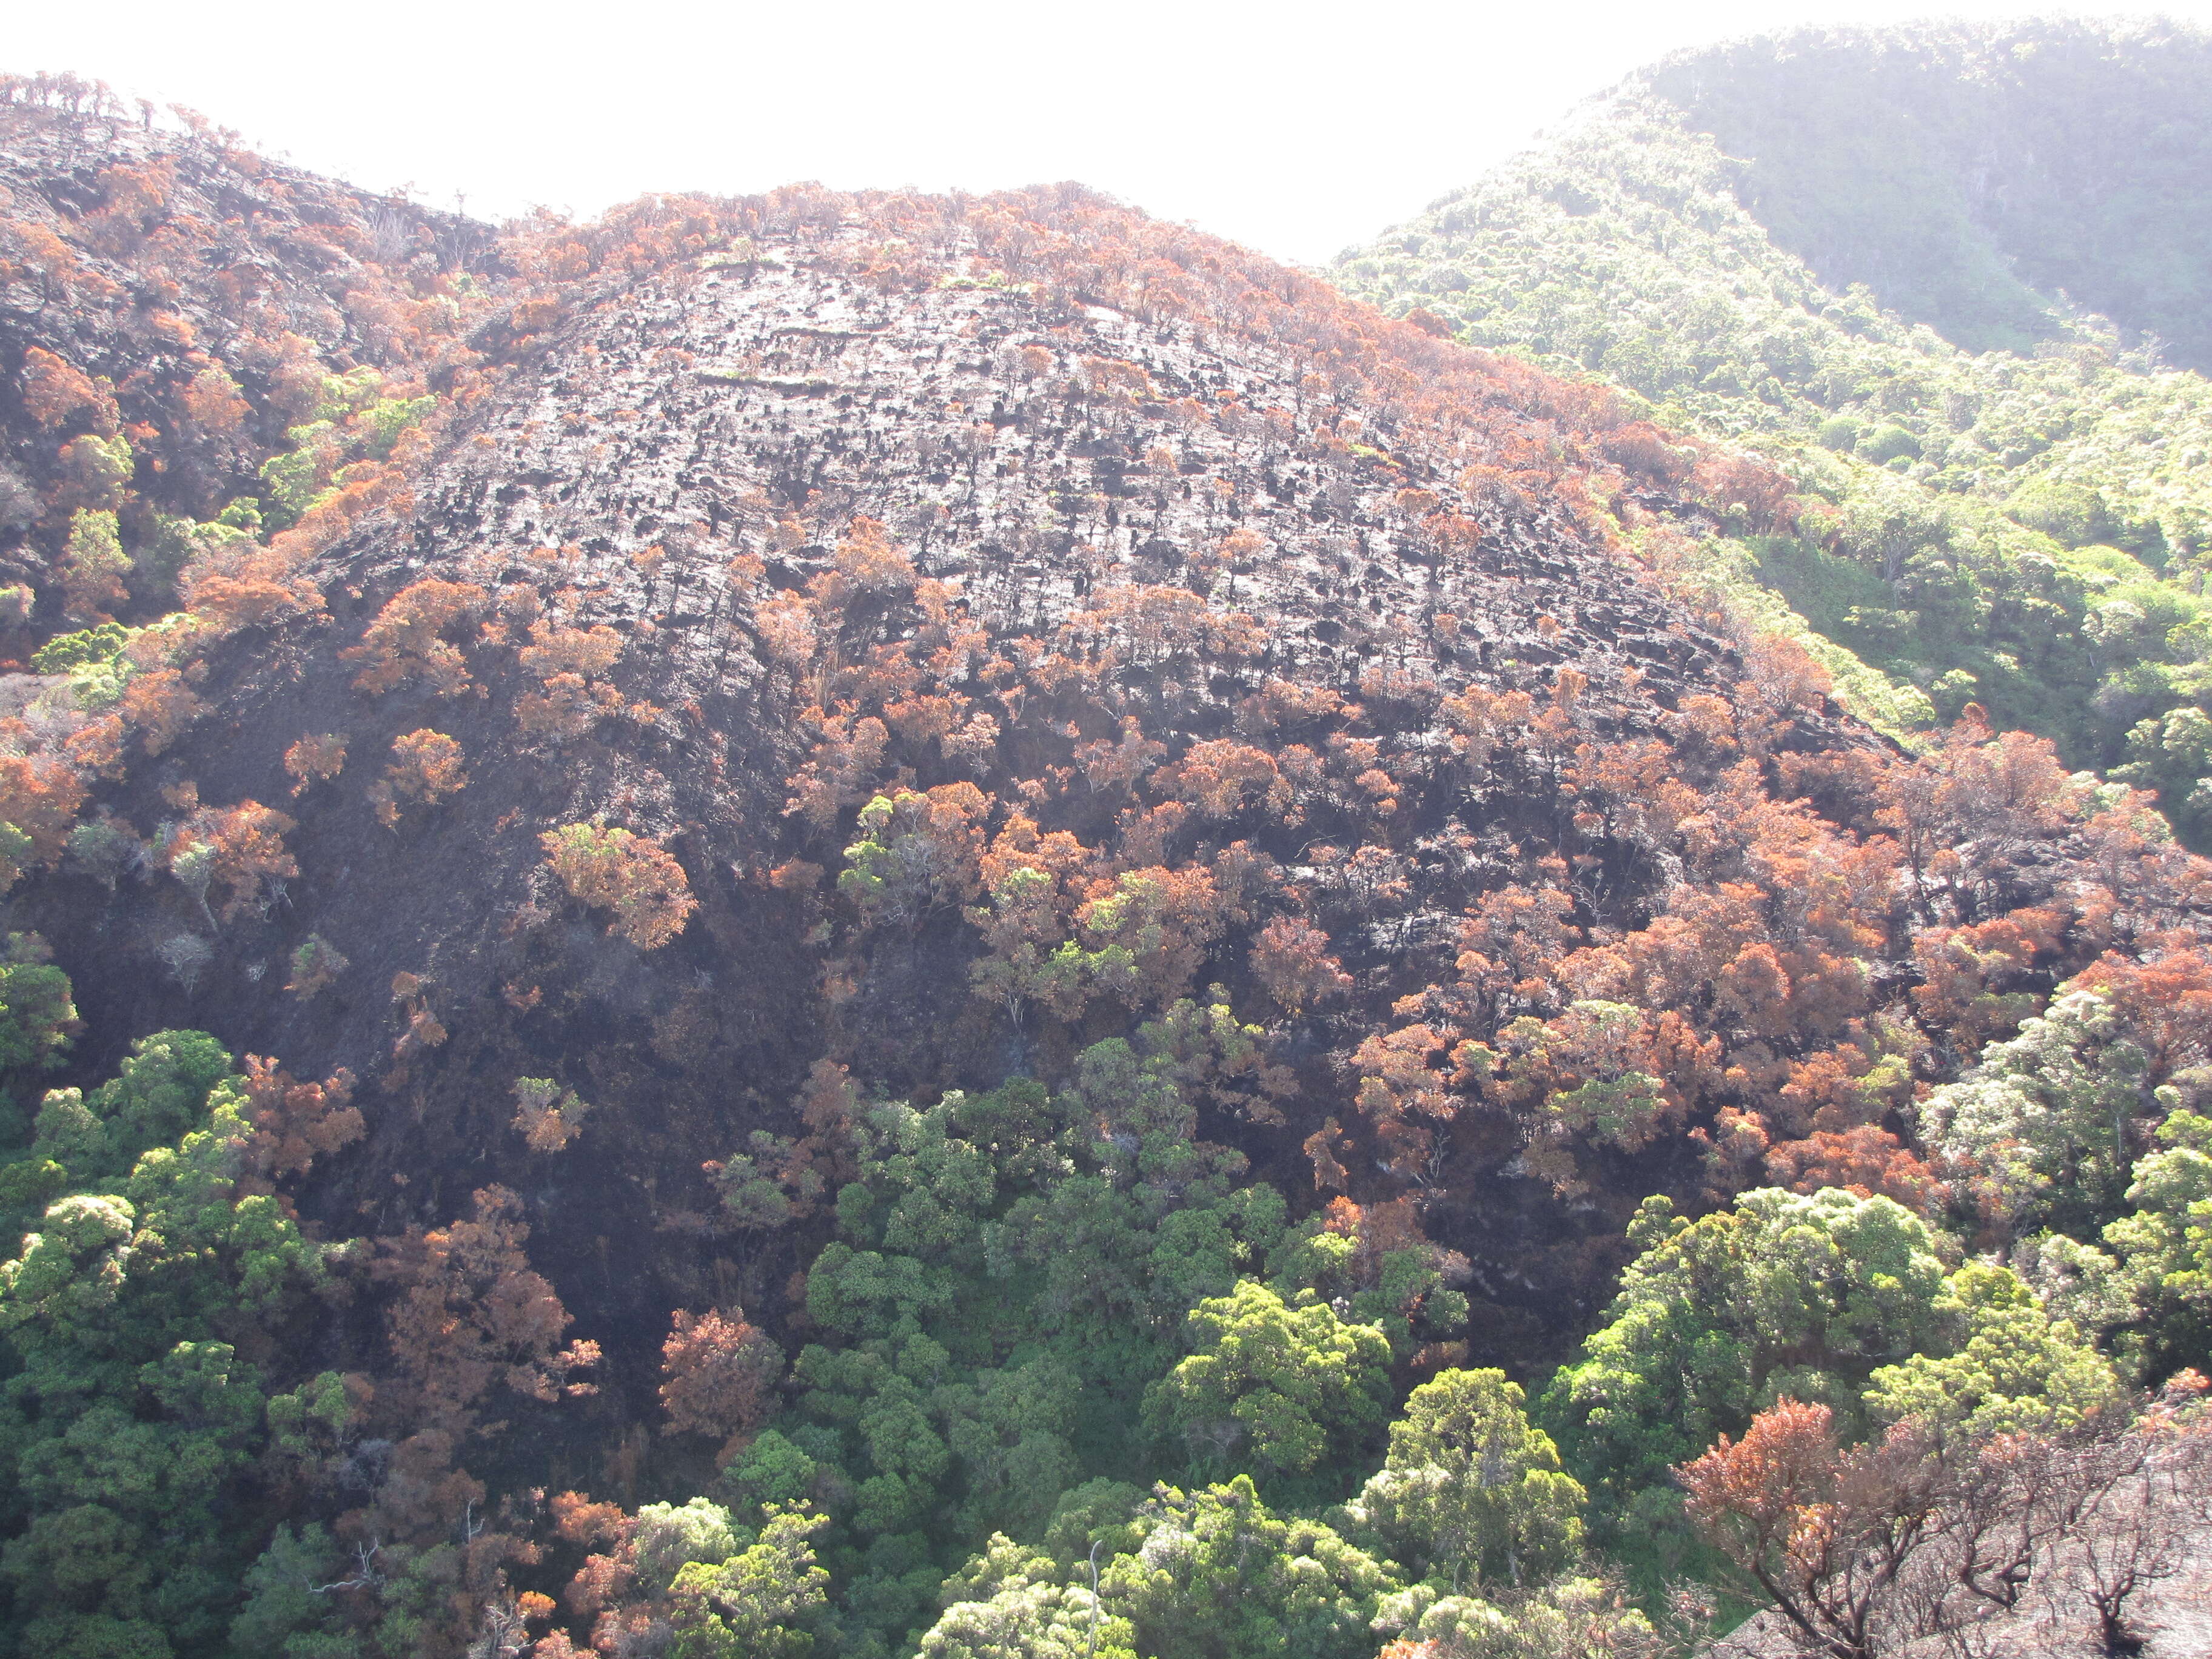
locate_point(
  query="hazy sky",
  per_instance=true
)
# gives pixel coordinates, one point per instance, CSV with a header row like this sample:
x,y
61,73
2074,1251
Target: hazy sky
x,y
1296,129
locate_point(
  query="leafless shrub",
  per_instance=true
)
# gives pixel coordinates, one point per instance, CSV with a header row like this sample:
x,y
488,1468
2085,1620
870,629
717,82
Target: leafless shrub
x,y
503,1635
19,502
2146,1490
1922,1539
186,956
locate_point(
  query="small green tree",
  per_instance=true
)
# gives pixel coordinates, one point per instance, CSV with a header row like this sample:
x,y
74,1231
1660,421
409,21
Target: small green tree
x,y
669,1537
106,850
764,1602
1469,1484
1292,1383
1218,1576
93,563
38,1015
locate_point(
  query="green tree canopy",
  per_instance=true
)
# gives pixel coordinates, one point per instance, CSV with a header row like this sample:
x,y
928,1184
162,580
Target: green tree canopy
x,y
2014,1369
1284,1384
1469,1486
1218,1576
2164,1247
2046,1121
1786,1292
1010,1270
140,1318
1014,1603
765,1602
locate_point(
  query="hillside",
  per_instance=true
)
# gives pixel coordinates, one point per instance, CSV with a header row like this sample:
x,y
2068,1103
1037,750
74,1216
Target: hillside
x,y
1992,183
981,889
2018,528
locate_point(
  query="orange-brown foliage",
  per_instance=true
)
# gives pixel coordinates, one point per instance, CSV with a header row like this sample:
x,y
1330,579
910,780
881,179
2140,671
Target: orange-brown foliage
x,y
634,878
159,705
1290,959
316,757
421,633
39,795
248,840
294,1123
566,662
426,765
54,392
549,1115
1221,778
721,1373
1147,625
470,1313
214,403
1866,1160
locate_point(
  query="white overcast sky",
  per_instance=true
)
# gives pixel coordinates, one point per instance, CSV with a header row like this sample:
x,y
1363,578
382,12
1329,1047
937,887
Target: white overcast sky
x,y
1296,129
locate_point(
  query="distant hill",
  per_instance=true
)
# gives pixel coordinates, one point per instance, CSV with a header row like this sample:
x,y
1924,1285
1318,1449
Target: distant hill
x,y
1833,245
1990,181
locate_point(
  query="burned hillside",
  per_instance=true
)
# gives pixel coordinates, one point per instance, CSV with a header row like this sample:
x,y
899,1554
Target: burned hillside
x,y
786,759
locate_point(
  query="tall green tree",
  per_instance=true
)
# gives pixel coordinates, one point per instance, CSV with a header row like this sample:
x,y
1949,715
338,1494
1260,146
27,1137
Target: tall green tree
x,y
765,1602
2165,1245
1796,1293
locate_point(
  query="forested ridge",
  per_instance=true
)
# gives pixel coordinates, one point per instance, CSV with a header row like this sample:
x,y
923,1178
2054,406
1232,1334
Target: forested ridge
x,y
1943,277
875,925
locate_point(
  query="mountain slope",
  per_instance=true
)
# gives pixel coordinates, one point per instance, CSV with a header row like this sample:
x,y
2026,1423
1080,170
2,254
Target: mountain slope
x,y
892,823
1985,180
182,313
1086,476
2022,530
